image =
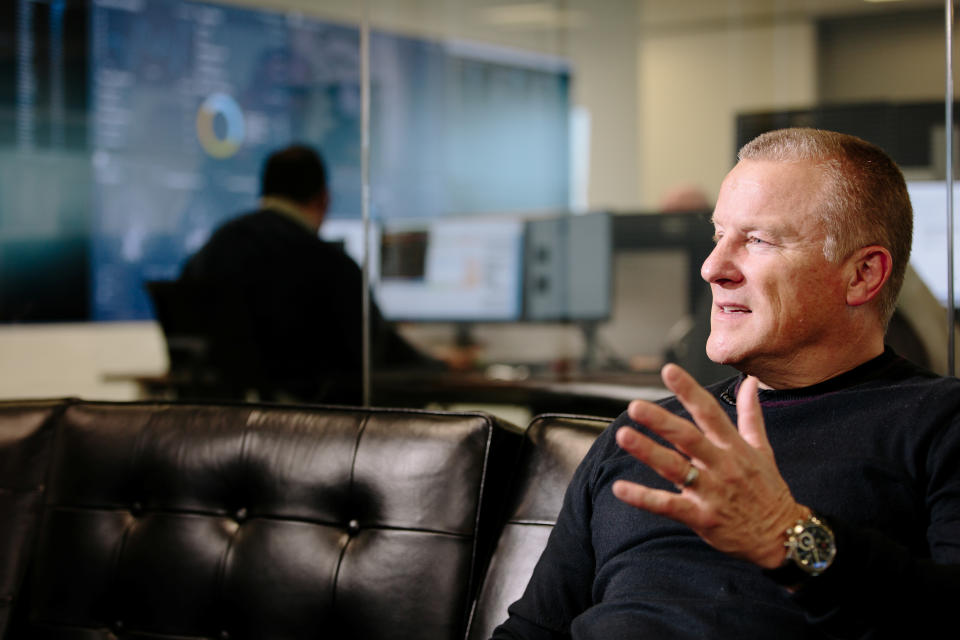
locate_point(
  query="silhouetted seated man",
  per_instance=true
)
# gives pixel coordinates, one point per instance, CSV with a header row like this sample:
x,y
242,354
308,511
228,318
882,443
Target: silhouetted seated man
x,y
816,494
301,296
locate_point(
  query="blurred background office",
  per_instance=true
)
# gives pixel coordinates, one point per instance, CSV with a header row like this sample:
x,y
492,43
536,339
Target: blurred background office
x,y
505,162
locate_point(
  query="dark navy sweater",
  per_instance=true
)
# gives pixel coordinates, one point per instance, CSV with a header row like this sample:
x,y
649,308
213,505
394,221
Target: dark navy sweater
x,y
876,451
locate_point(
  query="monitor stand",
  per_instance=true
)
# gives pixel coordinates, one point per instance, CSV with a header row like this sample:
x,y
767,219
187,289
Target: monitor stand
x,y
591,351
464,335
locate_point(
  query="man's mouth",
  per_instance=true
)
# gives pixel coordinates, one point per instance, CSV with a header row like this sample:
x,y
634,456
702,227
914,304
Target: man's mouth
x,y
733,308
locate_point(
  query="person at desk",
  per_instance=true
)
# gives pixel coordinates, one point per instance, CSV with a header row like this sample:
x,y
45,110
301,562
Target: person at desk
x,y
302,295
817,493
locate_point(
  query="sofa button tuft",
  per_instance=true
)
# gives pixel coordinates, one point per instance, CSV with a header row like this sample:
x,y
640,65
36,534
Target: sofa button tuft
x,y
136,509
241,514
353,527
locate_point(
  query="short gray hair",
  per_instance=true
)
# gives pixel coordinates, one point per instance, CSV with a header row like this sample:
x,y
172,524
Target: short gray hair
x,y
864,201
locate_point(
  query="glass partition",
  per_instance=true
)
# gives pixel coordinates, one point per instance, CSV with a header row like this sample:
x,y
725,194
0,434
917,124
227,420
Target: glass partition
x,y
531,205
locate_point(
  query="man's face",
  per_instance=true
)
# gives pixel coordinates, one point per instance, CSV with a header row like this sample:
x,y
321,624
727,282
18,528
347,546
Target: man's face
x,y
776,298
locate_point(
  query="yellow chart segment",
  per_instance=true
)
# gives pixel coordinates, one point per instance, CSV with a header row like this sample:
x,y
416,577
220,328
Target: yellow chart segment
x,y
220,104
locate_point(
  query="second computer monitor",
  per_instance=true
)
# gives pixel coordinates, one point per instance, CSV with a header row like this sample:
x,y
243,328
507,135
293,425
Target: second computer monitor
x,y
457,270
496,269
568,268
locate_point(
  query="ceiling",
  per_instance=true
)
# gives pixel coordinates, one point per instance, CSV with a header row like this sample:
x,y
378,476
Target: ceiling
x,y
673,14
559,15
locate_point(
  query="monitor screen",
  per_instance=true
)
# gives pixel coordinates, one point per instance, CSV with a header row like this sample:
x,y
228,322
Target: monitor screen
x,y
487,270
451,270
187,98
445,270
928,256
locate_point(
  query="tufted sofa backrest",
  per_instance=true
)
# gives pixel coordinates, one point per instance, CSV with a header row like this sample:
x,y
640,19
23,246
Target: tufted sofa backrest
x,y
256,521
554,446
26,438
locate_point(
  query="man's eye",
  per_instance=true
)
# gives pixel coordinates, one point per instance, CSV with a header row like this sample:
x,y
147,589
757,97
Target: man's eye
x,y
756,240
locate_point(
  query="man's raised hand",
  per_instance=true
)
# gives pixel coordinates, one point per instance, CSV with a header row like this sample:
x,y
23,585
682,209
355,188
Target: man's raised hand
x,y
736,500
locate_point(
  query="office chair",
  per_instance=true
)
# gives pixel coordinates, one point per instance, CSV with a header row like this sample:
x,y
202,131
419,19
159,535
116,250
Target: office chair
x,y
209,338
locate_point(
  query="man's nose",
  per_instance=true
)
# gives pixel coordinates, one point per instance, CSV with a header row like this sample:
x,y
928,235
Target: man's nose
x,y
720,265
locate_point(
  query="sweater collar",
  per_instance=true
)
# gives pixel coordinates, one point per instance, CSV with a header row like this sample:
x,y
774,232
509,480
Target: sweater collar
x,y
771,397
287,208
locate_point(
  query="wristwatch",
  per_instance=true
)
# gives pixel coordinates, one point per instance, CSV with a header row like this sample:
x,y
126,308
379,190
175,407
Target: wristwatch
x,y
810,545
811,549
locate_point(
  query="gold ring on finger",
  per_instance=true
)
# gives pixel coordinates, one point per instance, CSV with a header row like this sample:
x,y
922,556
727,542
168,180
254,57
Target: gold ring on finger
x,y
692,474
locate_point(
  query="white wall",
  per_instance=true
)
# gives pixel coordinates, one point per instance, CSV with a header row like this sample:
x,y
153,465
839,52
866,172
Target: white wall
x,y
84,360
693,83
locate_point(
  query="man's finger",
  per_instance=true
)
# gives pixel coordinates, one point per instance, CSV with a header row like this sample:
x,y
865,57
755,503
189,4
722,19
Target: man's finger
x,y
750,416
679,432
665,503
703,407
669,465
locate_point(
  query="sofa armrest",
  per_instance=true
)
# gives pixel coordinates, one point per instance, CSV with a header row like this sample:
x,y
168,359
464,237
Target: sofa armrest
x,y
553,448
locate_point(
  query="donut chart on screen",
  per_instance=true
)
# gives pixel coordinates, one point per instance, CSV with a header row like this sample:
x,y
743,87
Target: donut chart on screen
x,y
228,142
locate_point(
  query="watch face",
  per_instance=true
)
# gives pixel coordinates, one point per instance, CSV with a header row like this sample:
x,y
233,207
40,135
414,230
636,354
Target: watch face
x,y
815,548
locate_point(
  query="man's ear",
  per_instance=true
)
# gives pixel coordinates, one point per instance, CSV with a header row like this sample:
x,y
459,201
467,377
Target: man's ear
x,y
869,270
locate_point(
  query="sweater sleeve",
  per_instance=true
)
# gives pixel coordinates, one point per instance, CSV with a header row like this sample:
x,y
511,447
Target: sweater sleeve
x,y
878,586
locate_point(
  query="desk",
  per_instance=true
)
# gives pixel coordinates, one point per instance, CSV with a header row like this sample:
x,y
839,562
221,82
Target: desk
x,y
602,394
605,395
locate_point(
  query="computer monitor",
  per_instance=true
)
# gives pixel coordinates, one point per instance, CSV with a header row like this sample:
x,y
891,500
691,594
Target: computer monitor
x,y
568,268
445,270
554,269
467,270
929,254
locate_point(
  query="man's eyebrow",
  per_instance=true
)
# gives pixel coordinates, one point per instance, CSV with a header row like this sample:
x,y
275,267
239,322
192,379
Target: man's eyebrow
x,y
776,231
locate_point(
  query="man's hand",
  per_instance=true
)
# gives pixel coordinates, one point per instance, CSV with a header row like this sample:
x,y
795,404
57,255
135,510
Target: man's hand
x,y
739,502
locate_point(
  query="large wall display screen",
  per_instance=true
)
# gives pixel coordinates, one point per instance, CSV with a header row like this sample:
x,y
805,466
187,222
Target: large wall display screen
x,y
187,99
458,128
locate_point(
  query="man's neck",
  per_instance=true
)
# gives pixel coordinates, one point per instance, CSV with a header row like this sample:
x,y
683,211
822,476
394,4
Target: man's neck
x,y
290,209
799,372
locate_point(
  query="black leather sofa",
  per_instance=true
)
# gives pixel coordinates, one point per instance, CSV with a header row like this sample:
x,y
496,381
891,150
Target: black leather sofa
x,y
175,520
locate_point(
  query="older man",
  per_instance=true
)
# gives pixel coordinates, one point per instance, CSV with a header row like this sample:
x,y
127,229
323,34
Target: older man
x,y
815,495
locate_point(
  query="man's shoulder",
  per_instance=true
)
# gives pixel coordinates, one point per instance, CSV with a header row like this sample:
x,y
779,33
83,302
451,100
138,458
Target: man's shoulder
x,y
265,229
718,390
903,376
257,219
246,223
